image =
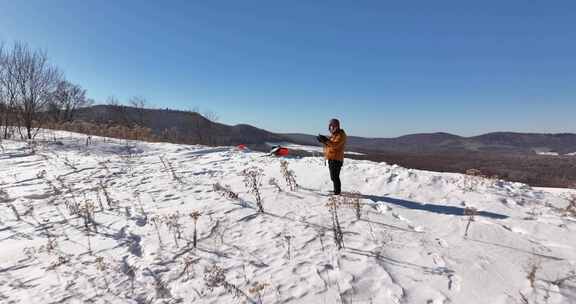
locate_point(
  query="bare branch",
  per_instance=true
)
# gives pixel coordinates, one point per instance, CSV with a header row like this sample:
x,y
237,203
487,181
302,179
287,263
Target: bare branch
x,y
30,82
65,100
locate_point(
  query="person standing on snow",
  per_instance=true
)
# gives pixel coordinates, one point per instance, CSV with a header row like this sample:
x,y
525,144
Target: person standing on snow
x,y
334,152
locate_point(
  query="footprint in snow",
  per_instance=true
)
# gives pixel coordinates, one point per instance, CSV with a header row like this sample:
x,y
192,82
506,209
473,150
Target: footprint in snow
x,y
442,243
437,259
38,196
454,283
301,268
408,222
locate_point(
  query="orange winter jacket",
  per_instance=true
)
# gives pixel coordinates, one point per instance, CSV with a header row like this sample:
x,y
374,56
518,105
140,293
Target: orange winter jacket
x,y
334,147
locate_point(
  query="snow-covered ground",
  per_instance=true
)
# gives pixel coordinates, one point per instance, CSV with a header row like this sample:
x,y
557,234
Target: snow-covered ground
x,y
313,149
407,247
556,154
548,153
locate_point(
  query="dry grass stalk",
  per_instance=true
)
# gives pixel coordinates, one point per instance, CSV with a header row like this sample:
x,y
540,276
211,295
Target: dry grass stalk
x,y
570,210
86,211
157,221
470,212
70,164
127,212
288,175
160,286
32,146
189,263
109,200
474,177
168,166
61,260
73,207
55,189
172,222
320,234
141,207
101,267
41,174
195,215
50,247
532,268
31,253
288,238
332,205
225,191
253,181
258,289
99,200
15,211
474,172
215,276
5,198
130,132
273,182
350,200
29,211
353,200
130,272
571,276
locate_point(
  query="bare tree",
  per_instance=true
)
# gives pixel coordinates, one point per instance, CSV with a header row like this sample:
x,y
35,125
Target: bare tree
x,y
211,116
34,81
8,94
118,112
194,127
3,108
140,104
66,99
112,101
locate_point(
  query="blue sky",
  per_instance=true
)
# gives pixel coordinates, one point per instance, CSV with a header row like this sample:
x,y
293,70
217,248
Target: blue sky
x,y
385,68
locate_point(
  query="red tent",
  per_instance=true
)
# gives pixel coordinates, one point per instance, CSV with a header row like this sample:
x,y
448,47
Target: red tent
x,y
282,151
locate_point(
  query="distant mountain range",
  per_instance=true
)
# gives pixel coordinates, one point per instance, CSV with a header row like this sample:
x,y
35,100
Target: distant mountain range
x,y
191,127
180,126
498,142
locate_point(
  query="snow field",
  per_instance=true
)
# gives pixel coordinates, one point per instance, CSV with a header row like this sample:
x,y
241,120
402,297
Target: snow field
x,y
407,247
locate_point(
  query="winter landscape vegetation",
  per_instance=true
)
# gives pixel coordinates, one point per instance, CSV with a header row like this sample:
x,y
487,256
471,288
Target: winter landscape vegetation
x,y
120,200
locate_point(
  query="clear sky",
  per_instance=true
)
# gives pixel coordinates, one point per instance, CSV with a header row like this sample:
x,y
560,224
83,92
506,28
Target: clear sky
x,y
385,68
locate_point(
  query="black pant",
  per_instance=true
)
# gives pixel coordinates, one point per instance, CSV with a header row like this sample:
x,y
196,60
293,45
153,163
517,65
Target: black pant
x,y
335,166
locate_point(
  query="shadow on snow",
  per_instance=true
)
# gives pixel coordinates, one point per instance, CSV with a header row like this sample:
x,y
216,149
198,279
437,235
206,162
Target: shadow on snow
x,y
441,209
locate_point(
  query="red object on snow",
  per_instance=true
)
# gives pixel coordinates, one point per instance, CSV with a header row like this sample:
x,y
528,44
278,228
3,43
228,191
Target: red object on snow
x,y
241,146
282,151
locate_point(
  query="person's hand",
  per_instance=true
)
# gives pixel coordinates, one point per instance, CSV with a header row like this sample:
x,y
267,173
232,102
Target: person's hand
x,y
321,138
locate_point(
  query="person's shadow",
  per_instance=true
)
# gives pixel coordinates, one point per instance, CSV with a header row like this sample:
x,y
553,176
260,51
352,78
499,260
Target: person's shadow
x,y
441,209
